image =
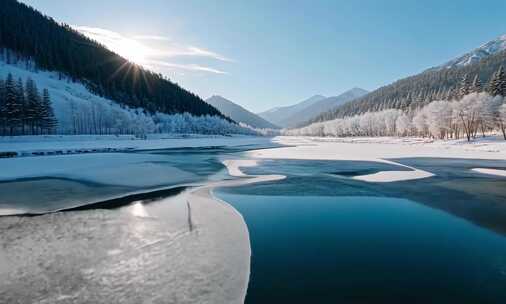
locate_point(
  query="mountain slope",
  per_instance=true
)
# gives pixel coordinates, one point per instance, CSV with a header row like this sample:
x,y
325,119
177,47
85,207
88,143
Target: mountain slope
x,y
60,48
279,115
415,91
238,113
490,48
79,111
322,106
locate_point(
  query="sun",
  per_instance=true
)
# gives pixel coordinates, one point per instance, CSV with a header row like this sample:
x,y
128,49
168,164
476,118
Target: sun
x,y
132,51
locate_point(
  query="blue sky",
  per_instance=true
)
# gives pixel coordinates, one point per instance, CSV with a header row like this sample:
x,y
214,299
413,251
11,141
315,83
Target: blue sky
x,y
262,54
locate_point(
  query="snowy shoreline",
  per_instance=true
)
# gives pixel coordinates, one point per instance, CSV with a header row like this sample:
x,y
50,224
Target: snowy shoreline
x,y
383,150
81,144
205,195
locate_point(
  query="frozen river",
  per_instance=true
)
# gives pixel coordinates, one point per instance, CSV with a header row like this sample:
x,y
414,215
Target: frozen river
x,y
319,235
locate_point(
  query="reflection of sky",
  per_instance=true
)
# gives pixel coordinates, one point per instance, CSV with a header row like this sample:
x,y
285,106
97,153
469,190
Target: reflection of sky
x,y
455,188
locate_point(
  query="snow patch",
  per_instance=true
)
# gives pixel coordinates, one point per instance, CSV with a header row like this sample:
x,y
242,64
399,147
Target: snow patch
x,y
496,172
233,166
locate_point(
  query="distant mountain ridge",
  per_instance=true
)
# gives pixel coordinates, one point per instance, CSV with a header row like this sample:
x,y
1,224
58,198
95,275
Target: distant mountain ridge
x,y
280,115
322,106
238,113
298,114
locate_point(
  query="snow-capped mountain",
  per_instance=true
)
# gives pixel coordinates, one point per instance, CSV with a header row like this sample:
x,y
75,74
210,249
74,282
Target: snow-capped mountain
x,y
280,115
238,113
490,48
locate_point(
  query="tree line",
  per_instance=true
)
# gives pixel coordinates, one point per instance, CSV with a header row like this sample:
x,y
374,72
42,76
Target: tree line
x,y
473,112
416,91
24,110
27,34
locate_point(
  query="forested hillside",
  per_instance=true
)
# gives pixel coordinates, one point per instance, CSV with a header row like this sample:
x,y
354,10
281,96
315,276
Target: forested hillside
x,y
471,112
417,91
26,33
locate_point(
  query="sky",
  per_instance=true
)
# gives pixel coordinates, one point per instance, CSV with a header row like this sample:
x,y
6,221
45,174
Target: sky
x,y
267,53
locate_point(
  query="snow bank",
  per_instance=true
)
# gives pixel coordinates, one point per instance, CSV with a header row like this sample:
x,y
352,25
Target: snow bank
x,y
233,166
394,176
374,148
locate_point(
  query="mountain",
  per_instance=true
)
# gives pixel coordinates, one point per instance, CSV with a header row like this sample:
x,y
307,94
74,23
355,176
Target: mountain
x,y
490,48
238,113
322,106
279,115
433,84
59,48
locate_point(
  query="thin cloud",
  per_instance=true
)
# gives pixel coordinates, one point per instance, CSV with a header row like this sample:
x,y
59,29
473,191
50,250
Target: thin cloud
x,y
186,67
136,48
152,37
195,51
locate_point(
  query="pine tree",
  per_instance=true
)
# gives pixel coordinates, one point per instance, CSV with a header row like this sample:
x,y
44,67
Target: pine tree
x,y
3,115
476,86
497,84
13,110
49,122
465,86
21,101
33,105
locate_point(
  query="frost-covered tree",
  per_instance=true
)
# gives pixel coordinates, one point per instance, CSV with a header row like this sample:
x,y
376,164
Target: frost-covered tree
x,y
404,125
501,119
420,122
438,118
468,112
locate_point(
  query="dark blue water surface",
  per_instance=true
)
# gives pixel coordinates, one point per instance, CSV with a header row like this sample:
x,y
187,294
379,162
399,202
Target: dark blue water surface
x,y
321,237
